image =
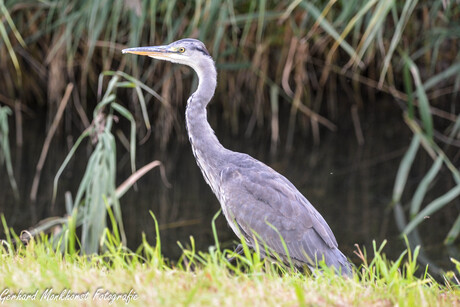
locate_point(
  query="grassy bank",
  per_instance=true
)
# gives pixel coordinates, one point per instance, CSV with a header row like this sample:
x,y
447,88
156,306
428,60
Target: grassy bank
x,y
318,61
145,278
211,284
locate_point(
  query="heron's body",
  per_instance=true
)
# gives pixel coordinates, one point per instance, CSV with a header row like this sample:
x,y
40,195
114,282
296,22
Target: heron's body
x,y
259,203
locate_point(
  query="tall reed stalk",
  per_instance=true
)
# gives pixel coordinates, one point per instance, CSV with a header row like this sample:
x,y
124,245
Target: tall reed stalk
x,y
5,153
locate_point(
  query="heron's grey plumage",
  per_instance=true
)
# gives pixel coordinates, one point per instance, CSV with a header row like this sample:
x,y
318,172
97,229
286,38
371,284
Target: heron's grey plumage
x,y
258,203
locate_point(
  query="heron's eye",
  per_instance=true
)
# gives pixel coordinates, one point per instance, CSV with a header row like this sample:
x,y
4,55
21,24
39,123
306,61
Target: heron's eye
x,y
181,49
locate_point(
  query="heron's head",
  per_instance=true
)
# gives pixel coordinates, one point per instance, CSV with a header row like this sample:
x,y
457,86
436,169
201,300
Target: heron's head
x,y
186,51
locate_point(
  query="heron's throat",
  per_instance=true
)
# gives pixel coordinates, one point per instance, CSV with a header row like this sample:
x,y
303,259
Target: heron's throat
x,y
207,81
209,153
198,128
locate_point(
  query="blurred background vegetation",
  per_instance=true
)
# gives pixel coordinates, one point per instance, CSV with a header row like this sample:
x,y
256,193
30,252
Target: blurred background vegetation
x,y
290,73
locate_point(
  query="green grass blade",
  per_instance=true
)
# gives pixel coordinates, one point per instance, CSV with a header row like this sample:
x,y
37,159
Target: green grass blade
x,y
423,103
453,70
422,188
5,153
351,24
409,91
10,22
328,27
214,230
13,57
404,169
455,129
157,238
406,13
373,27
453,232
432,207
261,19
132,142
66,161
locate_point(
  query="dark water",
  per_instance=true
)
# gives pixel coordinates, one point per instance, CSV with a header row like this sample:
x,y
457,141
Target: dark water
x,y
350,185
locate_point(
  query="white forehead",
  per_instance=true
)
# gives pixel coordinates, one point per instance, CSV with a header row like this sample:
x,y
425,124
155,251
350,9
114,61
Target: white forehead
x,y
192,44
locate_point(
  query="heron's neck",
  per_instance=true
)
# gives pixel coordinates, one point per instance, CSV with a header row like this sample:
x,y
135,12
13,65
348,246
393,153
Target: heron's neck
x,y
209,153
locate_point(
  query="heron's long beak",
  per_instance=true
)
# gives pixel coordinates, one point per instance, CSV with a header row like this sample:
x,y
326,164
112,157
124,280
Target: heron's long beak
x,y
152,51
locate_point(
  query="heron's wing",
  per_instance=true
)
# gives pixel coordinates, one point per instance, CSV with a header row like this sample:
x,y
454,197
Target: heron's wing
x,y
259,199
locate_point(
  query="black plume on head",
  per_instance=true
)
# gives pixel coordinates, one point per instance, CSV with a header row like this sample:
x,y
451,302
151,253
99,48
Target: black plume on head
x,y
194,44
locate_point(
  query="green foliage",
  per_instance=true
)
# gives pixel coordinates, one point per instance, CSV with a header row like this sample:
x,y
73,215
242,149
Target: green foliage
x,y
208,277
4,35
418,215
273,53
78,39
5,153
424,135
97,194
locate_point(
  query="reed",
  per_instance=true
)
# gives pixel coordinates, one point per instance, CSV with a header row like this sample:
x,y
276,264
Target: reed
x,y
5,153
303,40
97,197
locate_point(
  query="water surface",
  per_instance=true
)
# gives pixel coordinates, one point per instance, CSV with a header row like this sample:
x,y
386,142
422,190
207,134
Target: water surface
x,y
349,184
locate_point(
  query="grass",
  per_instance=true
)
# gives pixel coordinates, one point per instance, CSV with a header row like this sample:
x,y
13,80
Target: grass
x,y
207,279
319,51
296,55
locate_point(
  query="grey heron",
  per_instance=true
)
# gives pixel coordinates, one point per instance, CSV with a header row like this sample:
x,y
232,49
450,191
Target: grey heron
x,y
261,206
